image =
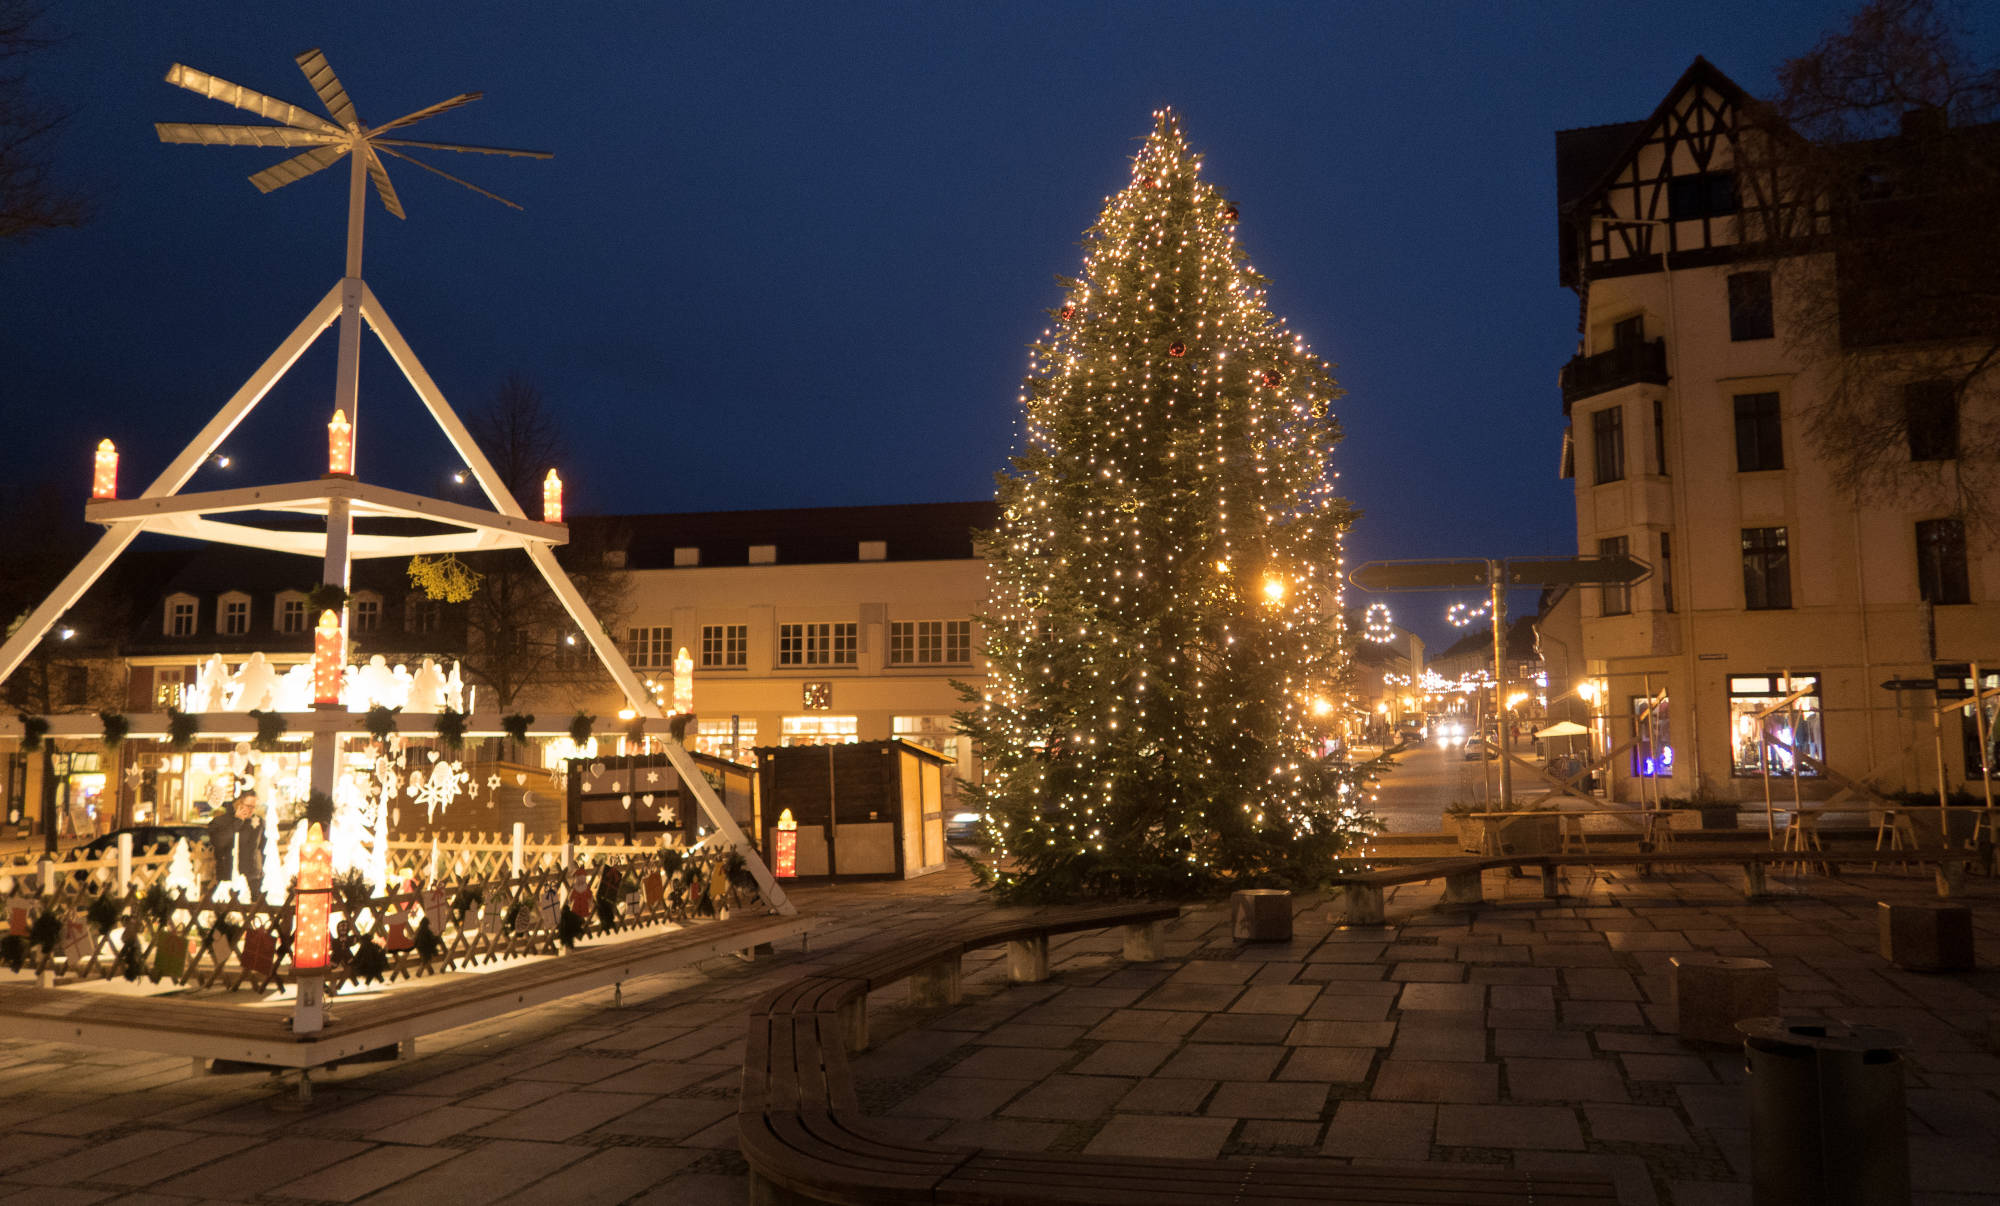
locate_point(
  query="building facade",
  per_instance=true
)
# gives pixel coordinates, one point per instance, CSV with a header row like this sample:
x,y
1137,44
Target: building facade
x,y
1779,606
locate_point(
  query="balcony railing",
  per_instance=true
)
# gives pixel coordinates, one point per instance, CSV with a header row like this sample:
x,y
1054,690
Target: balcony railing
x,y
1627,364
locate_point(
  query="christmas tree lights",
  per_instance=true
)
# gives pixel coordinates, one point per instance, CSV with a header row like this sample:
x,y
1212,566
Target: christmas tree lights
x,y
1166,578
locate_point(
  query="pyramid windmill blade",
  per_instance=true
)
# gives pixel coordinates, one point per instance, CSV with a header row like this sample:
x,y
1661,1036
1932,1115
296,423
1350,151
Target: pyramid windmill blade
x,y
182,76
204,134
448,176
319,73
298,167
453,146
383,189
443,106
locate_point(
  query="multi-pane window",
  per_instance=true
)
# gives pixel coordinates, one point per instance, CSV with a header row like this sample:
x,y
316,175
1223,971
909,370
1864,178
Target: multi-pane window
x,y
1750,306
726,737
820,729
725,645
1766,725
933,732
1701,195
1628,331
1617,599
365,614
1767,569
650,648
1941,576
817,644
180,618
169,685
291,615
930,642
1760,437
422,614
1607,433
235,617
1930,416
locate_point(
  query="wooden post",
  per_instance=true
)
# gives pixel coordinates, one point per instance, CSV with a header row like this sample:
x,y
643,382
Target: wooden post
x,y
520,840
124,864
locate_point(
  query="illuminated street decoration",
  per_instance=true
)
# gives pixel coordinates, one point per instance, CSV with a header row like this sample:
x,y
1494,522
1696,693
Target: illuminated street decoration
x,y
340,444
1377,624
104,475
785,849
1462,615
327,650
552,498
309,938
683,682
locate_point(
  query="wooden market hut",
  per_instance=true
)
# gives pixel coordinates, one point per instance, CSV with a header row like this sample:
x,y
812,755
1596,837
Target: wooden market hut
x,y
869,809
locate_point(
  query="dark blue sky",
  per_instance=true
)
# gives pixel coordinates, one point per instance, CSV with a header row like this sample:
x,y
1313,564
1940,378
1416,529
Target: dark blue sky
x,y
790,255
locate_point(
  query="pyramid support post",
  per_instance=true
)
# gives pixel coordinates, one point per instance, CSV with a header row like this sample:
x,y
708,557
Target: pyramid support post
x,y
726,825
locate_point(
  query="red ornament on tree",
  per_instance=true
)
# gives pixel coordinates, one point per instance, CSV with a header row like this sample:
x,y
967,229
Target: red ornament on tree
x,y
1270,378
1068,312
1176,348
1229,213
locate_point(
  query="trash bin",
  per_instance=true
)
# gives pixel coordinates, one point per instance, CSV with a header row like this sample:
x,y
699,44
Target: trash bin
x,y
1826,1113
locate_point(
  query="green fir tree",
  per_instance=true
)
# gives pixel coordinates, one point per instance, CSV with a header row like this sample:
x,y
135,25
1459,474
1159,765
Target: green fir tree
x,y
1166,635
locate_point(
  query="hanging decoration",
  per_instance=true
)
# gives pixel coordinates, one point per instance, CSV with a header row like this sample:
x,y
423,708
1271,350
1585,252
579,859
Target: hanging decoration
x,y
104,475
1176,348
446,578
1462,615
1378,624
116,726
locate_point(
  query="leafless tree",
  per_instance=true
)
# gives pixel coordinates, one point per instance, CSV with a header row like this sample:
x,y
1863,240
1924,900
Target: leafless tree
x,y
1871,184
30,199
517,632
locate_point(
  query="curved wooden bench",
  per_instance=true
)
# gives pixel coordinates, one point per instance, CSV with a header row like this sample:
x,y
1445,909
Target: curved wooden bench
x,y
1362,894
802,1130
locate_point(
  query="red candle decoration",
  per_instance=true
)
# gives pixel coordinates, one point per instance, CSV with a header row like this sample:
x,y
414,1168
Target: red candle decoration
x,y
552,498
786,847
340,444
327,658
309,937
104,481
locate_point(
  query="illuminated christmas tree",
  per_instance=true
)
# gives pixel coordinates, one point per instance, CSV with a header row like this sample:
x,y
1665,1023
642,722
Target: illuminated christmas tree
x,y
1166,576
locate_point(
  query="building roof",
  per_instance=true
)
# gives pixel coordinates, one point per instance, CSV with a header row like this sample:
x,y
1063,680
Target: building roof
x,y
800,536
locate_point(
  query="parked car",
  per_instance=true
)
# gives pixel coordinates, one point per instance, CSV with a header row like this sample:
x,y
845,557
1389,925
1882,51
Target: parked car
x,y
146,839
1479,747
962,827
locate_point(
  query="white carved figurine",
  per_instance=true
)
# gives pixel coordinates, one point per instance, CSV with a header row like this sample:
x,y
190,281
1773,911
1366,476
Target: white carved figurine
x,y
454,690
256,685
426,689
211,686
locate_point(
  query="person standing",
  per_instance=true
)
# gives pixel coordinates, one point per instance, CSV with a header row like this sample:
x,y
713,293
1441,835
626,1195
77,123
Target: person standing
x,y
237,837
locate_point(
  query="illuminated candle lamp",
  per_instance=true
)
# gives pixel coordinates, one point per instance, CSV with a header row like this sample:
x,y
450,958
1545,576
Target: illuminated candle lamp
x,y
1274,589
327,658
104,482
552,498
683,682
340,444
309,937
786,847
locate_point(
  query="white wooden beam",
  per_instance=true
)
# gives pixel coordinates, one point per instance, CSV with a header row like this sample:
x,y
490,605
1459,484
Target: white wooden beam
x,y
725,824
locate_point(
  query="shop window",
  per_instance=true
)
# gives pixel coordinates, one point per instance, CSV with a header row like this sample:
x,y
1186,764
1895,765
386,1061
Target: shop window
x,y
727,737
820,730
1772,740
932,732
1653,741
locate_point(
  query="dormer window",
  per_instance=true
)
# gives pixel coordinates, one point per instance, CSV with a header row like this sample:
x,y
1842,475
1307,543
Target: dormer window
x,y
180,616
874,550
289,616
232,614
686,556
364,611
763,554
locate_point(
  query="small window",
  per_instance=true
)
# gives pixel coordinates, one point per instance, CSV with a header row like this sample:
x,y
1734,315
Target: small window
x,y
1702,195
1941,576
687,555
1767,570
233,615
650,648
725,645
1607,433
365,613
292,613
873,550
1628,331
1617,600
1930,416
1760,439
1667,570
1750,306
763,554
180,616
422,614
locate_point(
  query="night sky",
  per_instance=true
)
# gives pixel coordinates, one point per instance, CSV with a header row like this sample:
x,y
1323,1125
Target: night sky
x,y
790,255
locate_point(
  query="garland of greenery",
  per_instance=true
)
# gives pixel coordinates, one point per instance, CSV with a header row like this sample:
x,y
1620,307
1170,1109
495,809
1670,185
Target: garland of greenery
x,y
466,900
607,909
271,728
324,597
13,951
128,958
45,930
451,729
115,728
33,729
580,726
181,730
319,811
104,911
381,722
155,905
370,961
428,943
516,726
570,928
671,859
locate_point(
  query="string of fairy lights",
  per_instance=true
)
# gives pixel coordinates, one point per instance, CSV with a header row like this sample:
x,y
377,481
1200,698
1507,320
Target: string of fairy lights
x,y
1178,444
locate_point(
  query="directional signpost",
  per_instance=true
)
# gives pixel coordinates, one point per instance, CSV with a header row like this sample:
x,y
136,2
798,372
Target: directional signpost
x,y
1496,575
